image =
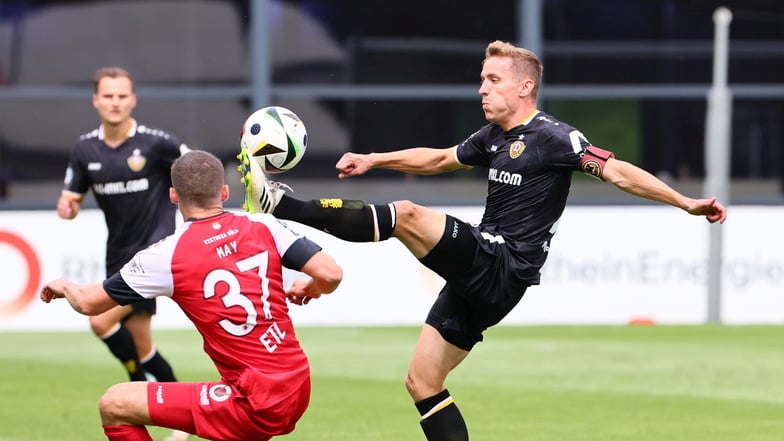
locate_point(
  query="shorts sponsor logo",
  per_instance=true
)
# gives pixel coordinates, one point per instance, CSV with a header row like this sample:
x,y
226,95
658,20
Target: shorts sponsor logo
x,y
215,393
203,400
159,394
220,392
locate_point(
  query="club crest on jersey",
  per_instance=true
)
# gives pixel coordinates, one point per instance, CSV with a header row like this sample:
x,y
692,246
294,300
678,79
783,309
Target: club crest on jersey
x,y
136,161
516,149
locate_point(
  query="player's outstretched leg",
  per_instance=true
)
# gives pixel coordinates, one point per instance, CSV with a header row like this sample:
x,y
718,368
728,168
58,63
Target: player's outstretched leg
x,y
350,220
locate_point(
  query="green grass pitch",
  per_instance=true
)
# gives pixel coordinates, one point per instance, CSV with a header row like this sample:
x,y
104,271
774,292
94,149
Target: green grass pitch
x,y
529,383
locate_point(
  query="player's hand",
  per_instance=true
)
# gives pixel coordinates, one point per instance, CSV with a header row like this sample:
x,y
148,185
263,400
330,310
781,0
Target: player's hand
x,y
53,290
352,164
710,208
301,292
67,208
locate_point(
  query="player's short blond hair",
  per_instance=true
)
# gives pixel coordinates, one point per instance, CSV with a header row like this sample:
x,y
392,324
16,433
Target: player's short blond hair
x,y
110,72
524,62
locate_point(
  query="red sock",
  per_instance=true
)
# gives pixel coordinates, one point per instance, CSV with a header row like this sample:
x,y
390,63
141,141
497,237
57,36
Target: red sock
x,y
127,433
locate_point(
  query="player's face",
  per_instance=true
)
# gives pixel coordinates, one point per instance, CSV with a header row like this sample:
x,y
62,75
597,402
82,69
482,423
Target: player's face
x,y
114,100
501,92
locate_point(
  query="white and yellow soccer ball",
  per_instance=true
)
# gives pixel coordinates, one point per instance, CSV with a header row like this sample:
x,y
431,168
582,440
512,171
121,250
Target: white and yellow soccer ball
x,y
275,137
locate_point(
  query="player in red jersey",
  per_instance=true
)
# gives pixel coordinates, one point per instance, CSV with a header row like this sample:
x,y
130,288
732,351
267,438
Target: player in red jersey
x,y
225,271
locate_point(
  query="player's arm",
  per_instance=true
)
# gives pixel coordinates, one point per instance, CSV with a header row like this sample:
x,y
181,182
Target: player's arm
x,y
640,183
416,160
84,299
325,277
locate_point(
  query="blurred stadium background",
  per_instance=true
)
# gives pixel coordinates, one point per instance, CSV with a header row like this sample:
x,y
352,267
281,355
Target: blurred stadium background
x,y
374,76
634,76
370,77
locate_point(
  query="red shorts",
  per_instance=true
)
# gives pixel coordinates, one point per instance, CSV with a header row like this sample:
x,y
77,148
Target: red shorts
x,y
216,411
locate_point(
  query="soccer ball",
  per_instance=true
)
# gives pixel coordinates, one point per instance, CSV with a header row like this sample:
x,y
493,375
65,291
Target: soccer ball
x,y
275,137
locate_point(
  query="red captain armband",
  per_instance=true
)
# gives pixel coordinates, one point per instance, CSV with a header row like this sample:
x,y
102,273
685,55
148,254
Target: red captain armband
x,y
593,161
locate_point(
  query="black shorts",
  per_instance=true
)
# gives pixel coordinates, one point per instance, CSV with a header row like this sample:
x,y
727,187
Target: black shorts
x,y
141,308
479,289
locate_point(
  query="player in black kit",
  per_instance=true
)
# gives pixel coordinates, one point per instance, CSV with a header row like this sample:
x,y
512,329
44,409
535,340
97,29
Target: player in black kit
x,y
531,157
127,166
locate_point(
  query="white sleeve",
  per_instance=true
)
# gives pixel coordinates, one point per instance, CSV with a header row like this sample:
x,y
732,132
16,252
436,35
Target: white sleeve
x,y
149,272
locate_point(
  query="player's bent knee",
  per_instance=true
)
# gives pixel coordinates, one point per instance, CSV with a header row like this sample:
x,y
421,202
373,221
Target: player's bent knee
x,y
406,211
410,384
100,326
419,389
111,406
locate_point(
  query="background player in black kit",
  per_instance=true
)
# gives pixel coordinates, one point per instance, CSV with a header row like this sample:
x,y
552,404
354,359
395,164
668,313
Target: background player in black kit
x,y
531,157
127,166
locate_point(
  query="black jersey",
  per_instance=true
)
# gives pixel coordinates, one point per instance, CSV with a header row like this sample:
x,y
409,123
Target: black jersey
x,y
530,172
131,186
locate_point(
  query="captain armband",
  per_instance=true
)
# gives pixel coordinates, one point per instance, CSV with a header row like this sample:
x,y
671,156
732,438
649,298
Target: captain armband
x,y
593,160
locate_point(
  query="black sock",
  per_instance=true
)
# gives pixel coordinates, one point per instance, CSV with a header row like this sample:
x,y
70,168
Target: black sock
x,y
441,419
353,221
122,347
158,367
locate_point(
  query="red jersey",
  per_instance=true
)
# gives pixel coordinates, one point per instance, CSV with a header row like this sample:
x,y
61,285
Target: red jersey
x,y
225,272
